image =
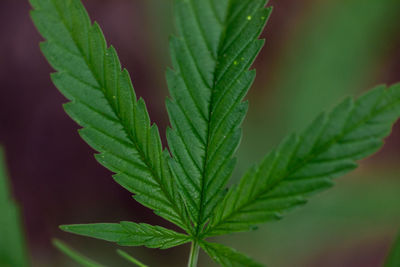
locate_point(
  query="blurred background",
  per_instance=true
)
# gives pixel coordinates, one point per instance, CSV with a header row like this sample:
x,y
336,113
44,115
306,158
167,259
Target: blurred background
x,y
317,52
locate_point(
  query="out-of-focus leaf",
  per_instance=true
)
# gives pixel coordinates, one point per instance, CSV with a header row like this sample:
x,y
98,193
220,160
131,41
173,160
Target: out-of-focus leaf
x,y
76,256
129,258
393,259
12,243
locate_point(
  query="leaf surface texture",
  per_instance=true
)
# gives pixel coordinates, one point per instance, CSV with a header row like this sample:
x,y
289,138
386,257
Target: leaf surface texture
x,y
305,164
227,256
216,44
104,103
130,234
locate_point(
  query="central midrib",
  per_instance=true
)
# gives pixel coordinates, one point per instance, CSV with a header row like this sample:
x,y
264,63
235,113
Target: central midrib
x,y
200,219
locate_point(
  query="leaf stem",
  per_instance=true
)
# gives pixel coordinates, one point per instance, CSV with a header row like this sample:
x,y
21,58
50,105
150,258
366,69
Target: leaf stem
x,y
194,254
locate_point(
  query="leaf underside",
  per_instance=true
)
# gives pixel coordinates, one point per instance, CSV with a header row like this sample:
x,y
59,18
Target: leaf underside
x,y
216,43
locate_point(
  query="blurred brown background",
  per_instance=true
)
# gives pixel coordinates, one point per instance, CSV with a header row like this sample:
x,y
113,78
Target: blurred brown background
x,y
317,51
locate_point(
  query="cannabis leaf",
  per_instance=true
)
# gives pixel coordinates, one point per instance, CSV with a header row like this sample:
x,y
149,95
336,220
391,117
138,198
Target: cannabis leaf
x,y
103,101
216,43
227,256
130,234
305,164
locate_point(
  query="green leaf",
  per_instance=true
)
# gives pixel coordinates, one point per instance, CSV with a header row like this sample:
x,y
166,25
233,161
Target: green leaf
x,y
130,258
76,256
393,260
228,257
216,44
12,242
345,213
104,103
130,234
305,164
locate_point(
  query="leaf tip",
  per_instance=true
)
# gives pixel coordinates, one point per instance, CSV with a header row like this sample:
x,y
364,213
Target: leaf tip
x,y
65,228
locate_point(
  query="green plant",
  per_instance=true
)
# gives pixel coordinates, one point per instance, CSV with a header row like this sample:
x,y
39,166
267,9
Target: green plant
x,y
393,258
76,256
12,241
216,44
